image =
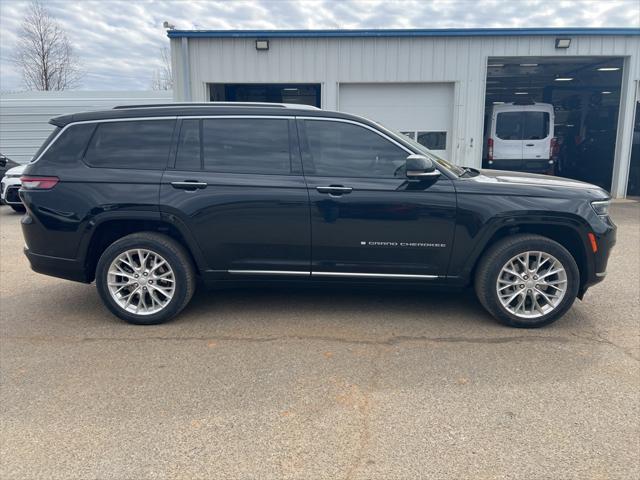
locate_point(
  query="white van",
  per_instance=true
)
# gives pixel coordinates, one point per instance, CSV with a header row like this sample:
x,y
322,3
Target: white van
x,y
520,137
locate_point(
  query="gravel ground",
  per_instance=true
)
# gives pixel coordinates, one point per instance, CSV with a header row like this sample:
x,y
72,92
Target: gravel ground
x,y
313,384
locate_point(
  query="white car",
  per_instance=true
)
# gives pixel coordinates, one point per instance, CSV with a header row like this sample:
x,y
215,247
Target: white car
x,y
9,187
520,137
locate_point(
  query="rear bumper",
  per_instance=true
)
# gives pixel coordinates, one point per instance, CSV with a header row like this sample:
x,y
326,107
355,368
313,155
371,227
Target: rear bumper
x,y
69,269
531,165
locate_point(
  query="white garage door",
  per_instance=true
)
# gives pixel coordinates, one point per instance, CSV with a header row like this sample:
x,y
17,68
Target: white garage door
x,y
421,110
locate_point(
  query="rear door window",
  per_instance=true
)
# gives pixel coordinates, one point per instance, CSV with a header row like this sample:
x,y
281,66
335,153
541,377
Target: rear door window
x,y
525,125
189,152
536,125
143,144
246,145
509,125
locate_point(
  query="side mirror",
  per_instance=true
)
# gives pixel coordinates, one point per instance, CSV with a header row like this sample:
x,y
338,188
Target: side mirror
x,y
419,166
3,161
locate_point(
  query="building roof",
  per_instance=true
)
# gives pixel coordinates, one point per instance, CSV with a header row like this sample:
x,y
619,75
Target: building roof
x,y
417,32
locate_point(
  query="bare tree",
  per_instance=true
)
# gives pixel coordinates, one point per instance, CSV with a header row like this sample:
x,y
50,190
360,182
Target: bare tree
x,y
163,75
44,54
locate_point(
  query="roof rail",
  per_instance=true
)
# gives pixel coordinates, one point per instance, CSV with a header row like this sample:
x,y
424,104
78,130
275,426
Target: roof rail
x,y
219,104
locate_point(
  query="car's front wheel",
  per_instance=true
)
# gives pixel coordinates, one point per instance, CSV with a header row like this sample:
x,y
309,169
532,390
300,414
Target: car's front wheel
x,y
18,208
527,281
145,278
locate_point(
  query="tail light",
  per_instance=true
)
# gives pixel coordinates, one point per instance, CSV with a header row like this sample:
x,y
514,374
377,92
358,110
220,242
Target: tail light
x,y
38,183
490,149
553,148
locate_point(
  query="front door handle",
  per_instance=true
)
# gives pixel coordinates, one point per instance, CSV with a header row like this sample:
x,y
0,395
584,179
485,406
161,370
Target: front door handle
x,y
189,185
335,190
530,145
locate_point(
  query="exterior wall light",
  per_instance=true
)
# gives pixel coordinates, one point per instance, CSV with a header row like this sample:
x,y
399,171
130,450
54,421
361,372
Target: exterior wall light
x,y
262,44
563,42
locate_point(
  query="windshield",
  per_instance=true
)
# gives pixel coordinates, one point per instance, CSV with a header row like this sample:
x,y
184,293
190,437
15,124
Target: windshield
x,y
448,165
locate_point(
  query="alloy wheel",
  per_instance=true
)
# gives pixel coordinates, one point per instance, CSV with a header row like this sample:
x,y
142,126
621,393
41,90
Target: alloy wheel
x,y
141,281
531,284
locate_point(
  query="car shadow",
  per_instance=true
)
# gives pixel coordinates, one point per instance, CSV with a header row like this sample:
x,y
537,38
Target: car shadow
x,y
275,311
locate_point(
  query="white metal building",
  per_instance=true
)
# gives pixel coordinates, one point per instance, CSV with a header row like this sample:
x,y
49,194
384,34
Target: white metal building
x,y
418,81
24,117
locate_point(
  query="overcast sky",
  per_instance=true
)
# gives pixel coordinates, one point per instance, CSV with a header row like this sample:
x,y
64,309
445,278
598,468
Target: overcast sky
x,y
119,41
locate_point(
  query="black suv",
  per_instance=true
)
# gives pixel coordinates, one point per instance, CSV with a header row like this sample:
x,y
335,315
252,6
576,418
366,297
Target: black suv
x,y
146,200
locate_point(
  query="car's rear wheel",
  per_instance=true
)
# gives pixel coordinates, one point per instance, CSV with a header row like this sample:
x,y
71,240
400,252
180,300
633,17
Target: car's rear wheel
x,y
527,281
145,278
18,208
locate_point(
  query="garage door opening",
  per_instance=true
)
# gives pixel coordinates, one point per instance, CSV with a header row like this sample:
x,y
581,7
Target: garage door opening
x,y
582,98
297,93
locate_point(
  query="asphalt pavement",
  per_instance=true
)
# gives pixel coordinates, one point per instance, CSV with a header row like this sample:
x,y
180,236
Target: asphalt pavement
x,y
314,384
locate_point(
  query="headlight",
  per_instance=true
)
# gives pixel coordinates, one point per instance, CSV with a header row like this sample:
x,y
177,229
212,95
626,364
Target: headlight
x,y
601,207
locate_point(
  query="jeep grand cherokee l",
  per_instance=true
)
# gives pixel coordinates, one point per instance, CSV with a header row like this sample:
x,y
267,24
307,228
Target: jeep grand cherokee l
x,y
145,200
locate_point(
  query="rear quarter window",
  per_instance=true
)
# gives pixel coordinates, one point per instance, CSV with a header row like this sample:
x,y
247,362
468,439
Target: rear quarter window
x,y
45,144
143,144
69,146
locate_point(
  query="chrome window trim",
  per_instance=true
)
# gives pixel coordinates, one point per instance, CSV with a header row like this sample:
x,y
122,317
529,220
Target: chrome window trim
x,y
178,117
105,120
359,124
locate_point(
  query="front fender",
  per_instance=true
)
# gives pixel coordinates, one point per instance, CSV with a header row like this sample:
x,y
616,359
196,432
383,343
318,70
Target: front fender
x,y
470,243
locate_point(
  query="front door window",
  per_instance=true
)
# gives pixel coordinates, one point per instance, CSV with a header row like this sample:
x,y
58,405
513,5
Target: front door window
x,y
339,149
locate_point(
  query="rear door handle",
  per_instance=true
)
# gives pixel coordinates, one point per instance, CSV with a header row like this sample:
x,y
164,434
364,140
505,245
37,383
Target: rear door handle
x,y
189,185
335,190
530,145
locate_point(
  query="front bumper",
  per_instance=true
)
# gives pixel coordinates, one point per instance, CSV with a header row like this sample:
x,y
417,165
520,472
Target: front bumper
x,y
9,189
606,240
605,236
11,196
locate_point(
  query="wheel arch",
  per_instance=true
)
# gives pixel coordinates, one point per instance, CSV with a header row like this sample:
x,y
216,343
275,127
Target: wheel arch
x,y
572,235
105,230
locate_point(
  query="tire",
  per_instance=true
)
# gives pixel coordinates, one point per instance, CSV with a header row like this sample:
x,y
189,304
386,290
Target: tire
x,y
532,313
159,247
18,208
